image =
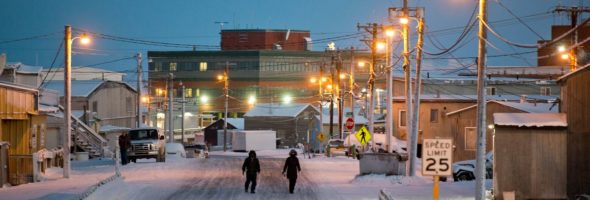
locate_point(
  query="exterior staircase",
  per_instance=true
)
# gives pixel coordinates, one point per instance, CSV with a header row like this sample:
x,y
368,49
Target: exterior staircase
x,y
87,139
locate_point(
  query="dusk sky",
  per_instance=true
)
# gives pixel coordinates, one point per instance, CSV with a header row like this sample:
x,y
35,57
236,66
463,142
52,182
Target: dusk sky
x,y
193,22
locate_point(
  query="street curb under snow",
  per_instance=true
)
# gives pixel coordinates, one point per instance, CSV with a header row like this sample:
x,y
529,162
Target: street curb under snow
x,y
95,187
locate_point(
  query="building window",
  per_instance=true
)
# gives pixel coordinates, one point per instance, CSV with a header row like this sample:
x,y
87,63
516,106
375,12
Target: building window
x,y
470,138
203,66
188,92
172,66
158,67
402,118
129,104
198,92
545,91
433,115
490,91
94,106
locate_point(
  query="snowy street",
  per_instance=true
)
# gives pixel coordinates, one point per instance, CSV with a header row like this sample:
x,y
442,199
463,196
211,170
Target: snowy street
x,y
219,177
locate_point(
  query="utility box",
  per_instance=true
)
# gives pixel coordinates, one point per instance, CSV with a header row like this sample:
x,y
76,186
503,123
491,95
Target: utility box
x,y
3,164
383,163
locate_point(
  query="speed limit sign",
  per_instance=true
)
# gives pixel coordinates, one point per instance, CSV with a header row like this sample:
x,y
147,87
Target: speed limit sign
x,y
437,157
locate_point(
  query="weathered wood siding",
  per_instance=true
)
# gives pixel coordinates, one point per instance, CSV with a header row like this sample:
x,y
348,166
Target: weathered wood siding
x,y
113,109
531,162
468,118
429,129
576,105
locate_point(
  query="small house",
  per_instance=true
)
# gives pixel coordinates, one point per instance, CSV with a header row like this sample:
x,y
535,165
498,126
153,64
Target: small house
x,y
211,131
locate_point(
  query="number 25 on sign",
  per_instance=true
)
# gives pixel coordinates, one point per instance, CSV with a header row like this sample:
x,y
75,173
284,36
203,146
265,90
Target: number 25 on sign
x,y
437,156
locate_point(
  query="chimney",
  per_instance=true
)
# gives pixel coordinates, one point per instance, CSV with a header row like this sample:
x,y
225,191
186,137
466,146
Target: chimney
x,y
523,98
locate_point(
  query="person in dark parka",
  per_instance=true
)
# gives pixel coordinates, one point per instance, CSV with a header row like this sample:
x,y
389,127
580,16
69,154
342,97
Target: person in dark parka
x,y
251,167
124,144
291,169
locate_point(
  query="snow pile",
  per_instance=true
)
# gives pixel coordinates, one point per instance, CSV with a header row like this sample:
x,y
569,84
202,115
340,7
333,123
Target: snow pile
x,y
381,179
530,119
379,140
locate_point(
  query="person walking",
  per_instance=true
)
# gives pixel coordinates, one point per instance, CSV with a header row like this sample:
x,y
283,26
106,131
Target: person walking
x,y
124,144
251,168
291,169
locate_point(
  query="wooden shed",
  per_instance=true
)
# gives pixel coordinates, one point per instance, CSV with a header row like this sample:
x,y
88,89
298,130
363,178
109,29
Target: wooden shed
x,y
21,127
211,130
530,155
463,124
575,103
292,122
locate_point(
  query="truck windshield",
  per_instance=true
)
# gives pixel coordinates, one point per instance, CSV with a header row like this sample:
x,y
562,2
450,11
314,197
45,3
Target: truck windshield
x,y
148,134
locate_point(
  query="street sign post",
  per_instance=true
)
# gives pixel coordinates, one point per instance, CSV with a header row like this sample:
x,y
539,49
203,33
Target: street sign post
x,y
363,135
437,159
321,137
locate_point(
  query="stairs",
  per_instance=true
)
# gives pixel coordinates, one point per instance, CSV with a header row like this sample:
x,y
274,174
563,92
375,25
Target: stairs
x,y
87,139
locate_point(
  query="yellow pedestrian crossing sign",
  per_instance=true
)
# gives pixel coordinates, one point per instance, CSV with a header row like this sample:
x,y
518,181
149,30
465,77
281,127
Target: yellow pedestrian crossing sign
x,y
363,135
321,137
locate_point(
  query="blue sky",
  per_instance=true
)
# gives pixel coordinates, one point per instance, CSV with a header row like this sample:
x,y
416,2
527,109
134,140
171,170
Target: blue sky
x,y
184,21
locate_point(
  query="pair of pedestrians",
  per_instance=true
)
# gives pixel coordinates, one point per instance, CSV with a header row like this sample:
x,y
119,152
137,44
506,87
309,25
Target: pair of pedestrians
x,y
251,168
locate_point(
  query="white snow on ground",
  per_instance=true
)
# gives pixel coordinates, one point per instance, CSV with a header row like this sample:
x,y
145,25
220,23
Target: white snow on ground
x,y
83,175
328,178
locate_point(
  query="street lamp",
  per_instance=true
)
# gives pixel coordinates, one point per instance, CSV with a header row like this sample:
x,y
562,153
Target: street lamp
x,y
84,39
225,80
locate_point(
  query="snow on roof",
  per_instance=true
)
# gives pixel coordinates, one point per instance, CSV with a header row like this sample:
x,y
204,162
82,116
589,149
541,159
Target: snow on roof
x,y
277,110
581,69
80,88
358,118
18,87
525,107
4,143
530,119
48,109
473,98
111,128
24,69
236,122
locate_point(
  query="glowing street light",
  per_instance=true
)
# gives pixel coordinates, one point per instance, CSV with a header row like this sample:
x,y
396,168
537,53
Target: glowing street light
x,y
561,49
404,20
145,99
342,76
313,80
380,45
565,56
287,99
390,33
251,100
361,64
204,99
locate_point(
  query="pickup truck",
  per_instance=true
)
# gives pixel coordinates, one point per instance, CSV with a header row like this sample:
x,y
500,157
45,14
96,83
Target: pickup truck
x,y
147,143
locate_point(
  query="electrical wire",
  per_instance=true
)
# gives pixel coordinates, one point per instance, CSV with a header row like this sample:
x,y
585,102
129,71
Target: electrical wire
x,y
519,19
52,64
29,38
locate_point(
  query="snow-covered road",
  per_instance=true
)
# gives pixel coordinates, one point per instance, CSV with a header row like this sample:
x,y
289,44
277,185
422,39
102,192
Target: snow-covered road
x,y
218,177
221,178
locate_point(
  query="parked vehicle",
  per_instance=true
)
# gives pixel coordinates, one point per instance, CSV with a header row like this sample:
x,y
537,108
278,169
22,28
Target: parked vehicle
x,y
337,147
147,143
465,170
175,150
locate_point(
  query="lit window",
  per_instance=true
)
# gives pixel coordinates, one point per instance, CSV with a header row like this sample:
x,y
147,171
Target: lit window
x,y
172,67
203,66
158,67
188,92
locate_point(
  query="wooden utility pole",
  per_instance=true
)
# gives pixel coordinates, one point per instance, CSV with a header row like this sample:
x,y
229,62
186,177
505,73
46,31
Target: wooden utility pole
x,y
339,95
373,29
573,12
139,83
226,94
480,166
67,139
351,89
170,108
417,85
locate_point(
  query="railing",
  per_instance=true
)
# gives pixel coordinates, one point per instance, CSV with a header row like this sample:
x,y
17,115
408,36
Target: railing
x,y
88,134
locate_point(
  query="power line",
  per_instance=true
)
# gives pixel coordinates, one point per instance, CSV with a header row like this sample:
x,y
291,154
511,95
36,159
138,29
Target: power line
x,y
29,38
518,18
52,64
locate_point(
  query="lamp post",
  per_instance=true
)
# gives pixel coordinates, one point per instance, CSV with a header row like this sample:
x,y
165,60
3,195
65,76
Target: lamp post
x,y
225,80
67,139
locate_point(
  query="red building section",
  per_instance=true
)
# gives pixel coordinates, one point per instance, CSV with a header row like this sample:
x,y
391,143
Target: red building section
x,y
265,39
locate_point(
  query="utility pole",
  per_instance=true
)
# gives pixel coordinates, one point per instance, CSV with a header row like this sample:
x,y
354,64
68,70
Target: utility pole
x,y
371,28
389,93
139,83
573,12
67,139
321,91
170,108
417,85
332,99
226,93
480,166
351,90
183,101
339,95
